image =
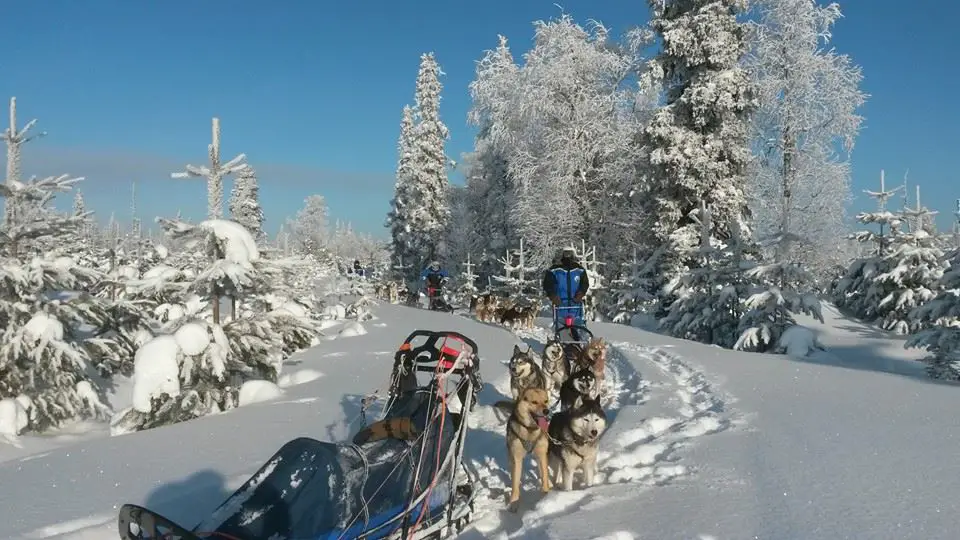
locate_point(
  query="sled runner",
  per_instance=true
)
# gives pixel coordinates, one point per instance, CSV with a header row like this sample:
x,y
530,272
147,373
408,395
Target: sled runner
x,y
409,485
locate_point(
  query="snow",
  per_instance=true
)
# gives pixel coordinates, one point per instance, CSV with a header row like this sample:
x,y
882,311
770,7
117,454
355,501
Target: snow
x,y
43,327
799,341
192,338
257,391
239,245
704,443
13,417
156,371
352,329
335,312
302,376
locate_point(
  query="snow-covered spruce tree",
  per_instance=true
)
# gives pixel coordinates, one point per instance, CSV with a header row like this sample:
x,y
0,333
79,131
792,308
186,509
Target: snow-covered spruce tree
x,y
915,265
214,173
859,292
47,355
15,139
939,320
309,229
198,365
699,139
402,219
245,203
808,98
429,160
780,291
709,295
629,292
421,207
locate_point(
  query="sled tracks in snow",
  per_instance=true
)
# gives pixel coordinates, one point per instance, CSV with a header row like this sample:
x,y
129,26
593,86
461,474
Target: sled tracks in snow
x,y
656,403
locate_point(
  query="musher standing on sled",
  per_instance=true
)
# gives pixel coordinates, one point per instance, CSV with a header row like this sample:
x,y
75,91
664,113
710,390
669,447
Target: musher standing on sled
x,y
565,284
433,276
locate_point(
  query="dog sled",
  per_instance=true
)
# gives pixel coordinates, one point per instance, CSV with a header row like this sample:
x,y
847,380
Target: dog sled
x,y
570,330
404,484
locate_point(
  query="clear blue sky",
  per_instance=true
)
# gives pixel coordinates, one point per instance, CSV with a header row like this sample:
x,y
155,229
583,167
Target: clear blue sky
x,y
312,91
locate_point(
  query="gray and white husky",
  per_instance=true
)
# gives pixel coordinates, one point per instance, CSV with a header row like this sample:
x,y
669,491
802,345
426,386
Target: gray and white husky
x,y
555,364
525,372
575,442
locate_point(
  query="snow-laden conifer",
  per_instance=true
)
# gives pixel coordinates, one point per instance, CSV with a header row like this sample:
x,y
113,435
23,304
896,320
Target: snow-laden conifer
x,y
699,139
402,219
245,206
47,353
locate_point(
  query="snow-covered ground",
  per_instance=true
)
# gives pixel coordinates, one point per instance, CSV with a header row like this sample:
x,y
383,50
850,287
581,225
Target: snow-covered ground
x,y
705,443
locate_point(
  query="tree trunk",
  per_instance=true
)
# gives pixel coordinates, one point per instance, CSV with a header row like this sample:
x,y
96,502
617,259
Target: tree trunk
x,y
787,177
217,255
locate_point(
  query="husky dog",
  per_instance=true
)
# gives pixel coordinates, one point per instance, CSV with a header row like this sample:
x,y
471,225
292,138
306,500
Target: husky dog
x,y
575,441
518,316
527,433
555,364
582,385
524,372
594,356
486,306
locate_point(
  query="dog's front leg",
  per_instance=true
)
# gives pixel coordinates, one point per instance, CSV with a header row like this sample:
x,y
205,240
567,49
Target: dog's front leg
x,y
589,470
516,472
543,461
568,469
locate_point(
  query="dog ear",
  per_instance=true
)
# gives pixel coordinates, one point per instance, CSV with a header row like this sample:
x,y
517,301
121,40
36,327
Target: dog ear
x,y
516,349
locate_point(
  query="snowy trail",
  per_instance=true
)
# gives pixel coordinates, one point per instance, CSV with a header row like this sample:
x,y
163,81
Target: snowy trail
x,y
651,416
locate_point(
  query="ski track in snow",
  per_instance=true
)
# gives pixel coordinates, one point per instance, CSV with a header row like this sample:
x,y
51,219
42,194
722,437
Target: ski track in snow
x,y
649,419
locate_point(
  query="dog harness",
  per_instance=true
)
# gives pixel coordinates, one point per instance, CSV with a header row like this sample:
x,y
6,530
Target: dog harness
x,y
527,445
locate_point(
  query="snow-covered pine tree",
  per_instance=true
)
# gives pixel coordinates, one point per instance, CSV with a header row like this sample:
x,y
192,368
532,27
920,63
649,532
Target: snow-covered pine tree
x,y
198,365
15,139
45,354
309,229
629,292
915,265
709,295
780,291
518,276
214,173
858,291
402,219
939,320
245,206
808,98
699,138
428,163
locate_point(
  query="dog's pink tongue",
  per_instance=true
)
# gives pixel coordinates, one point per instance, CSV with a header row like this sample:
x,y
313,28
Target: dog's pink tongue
x,y
542,422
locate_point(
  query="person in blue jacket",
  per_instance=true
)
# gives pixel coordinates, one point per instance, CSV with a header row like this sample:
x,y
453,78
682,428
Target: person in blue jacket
x,y
565,284
433,276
